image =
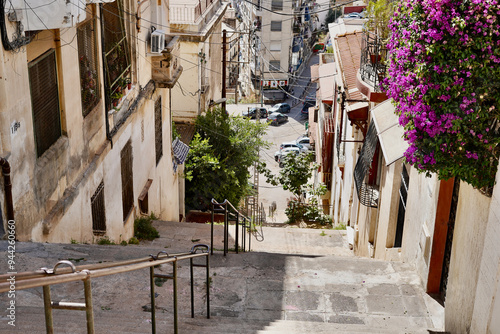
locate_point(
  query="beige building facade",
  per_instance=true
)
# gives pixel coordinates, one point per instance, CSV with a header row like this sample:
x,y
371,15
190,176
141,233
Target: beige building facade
x,y
85,128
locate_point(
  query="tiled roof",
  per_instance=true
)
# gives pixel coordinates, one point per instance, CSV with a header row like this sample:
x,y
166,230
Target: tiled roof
x,y
349,50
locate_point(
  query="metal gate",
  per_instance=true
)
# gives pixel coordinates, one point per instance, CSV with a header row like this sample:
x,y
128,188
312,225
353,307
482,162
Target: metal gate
x,y
449,240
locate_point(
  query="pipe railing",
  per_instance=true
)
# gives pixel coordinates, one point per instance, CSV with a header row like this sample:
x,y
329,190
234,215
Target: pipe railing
x,y
230,214
46,277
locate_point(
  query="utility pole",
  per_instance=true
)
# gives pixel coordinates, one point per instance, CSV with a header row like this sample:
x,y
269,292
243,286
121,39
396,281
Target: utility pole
x,y
224,41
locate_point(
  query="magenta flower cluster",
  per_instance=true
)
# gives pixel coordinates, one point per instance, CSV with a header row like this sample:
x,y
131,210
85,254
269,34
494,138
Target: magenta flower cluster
x,y
444,78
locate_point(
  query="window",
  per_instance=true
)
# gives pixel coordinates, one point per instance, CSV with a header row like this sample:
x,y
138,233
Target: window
x,y
275,25
275,46
274,66
45,101
403,195
98,211
127,180
277,5
117,59
158,131
87,57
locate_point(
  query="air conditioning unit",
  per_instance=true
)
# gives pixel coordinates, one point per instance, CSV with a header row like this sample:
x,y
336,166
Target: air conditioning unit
x,y
157,41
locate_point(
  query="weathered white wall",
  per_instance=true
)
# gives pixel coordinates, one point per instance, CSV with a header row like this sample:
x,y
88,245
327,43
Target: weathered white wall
x,y
421,208
486,314
67,175
466,254
185,103
388,208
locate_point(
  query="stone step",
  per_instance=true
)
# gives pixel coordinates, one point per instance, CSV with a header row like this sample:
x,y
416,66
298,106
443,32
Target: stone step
x,y
31,320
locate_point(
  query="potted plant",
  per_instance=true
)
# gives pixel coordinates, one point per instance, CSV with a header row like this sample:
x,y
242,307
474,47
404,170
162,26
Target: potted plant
x,y
116,96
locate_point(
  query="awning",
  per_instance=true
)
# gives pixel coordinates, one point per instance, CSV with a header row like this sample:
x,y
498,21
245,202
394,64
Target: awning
x,y
389,132
327,82
179,153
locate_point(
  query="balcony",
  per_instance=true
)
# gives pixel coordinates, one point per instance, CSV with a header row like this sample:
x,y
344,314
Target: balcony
x,y
372,67
166,67
194,16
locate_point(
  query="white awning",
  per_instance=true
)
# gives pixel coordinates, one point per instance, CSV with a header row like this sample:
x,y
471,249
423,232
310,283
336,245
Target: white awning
x,y
390,133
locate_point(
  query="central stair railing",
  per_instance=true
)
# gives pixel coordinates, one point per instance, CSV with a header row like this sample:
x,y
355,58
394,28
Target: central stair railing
x,y
231,214
46,277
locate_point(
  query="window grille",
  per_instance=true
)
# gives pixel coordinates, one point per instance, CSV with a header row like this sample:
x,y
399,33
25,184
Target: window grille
x,y
277,5
45,101
158,131
368,194
98,211
275,25
403,195
87,56
117,52
274,65
127,179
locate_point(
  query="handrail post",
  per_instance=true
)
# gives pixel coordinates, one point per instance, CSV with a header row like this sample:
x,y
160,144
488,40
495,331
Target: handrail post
x,y
208,287
176,325
212,231
226,223
88,305
244,233
152,291
49,327
236,237
192,286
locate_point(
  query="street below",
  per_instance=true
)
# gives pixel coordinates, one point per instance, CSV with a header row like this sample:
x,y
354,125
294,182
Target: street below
x,y
285,132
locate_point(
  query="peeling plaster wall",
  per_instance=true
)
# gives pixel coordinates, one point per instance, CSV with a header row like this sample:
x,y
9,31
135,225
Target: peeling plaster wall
x,y
419,221
466,254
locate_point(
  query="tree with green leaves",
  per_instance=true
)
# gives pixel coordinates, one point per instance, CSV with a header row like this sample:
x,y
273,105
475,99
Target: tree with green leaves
x,y
218,162
294,176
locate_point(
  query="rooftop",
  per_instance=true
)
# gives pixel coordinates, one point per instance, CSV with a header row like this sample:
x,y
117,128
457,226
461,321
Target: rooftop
x,y
348,48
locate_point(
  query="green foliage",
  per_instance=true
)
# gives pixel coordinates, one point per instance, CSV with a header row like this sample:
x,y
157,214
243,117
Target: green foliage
x,y
379,14
218,162
340,226
143,228
73,241
296,172
105,241
124,243
159,281
175,134
133,241
333,15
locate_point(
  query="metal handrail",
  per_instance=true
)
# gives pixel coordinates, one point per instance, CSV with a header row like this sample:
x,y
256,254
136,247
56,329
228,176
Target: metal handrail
x,y
47,277
237,216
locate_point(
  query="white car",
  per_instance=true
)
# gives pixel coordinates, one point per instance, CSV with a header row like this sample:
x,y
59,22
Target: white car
x,y
304,141
286,151
285,145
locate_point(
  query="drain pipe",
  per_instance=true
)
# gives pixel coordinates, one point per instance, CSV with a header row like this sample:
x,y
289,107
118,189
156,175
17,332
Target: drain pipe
x,y
8,188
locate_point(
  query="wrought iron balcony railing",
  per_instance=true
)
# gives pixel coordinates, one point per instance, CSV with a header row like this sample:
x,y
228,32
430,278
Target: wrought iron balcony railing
x,y
373,59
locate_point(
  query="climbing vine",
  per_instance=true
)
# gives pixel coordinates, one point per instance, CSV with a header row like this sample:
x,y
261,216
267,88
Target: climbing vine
x,y
444,77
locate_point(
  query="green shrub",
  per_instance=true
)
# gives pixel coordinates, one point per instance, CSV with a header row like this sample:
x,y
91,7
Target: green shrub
x,y
133,241
105,241
124,243
143,228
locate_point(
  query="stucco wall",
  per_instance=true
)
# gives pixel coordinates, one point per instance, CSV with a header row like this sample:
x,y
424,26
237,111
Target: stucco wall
x,y
419,221
388,208
466,253
487,301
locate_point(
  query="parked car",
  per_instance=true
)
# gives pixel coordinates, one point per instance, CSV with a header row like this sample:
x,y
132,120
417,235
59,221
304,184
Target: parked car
x,y
309,102
286,145
276,118
252,112
280,107
286,151
304,141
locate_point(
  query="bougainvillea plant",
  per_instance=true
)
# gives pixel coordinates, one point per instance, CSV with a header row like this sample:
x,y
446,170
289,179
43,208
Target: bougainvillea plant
x,y
444,77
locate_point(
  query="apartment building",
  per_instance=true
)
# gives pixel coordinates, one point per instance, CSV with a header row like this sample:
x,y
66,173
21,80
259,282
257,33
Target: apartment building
x,y
85,119
199,27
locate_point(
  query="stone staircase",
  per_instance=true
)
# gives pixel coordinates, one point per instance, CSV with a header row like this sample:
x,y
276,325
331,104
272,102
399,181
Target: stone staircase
x,y
295,281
